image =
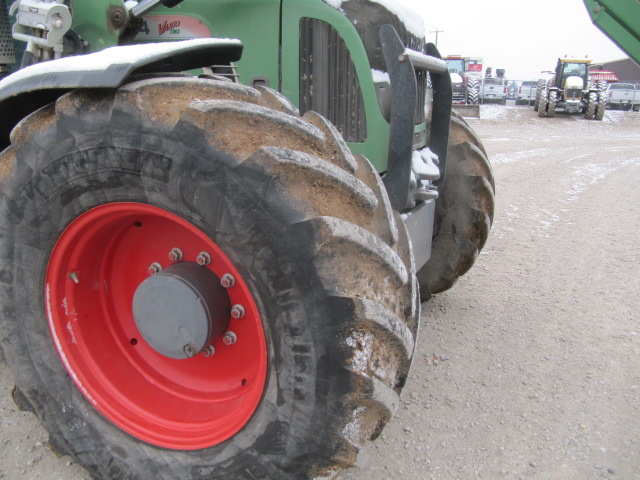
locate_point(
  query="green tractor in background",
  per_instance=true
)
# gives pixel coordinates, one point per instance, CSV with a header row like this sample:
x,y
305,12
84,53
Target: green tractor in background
x,y
209,247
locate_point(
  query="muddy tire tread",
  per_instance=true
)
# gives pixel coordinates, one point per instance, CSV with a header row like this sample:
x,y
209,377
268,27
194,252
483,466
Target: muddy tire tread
x,y
464,213
376,277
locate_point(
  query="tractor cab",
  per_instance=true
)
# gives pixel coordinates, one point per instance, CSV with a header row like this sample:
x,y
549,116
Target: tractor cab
x,y
568,68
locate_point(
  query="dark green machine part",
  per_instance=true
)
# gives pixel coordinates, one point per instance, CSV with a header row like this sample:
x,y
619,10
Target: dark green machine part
x,y
280,38
619,20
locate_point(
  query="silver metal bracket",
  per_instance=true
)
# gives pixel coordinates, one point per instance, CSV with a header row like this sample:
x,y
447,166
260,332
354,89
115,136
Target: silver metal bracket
x,y
41,24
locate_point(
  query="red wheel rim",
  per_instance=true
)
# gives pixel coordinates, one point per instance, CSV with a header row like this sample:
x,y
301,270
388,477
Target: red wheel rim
x,y
93,272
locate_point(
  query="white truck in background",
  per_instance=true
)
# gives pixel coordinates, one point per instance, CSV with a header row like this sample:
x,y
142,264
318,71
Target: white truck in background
x,y
623,96
527,93
493,89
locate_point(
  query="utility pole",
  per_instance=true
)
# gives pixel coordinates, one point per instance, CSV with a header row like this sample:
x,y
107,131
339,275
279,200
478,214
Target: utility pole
x,y
436,31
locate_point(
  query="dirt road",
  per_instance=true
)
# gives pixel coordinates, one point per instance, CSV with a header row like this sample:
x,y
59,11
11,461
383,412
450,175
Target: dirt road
x,y
529,368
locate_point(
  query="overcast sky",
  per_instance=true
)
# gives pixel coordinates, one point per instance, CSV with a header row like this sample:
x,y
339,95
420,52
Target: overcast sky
x,y
524,38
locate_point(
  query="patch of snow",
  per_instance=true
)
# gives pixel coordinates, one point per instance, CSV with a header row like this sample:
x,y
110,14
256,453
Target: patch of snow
x,y
337,4
492,112
380,77
613,116
424,164
579,157
120,55
412,21
517,156
592,173
352,429
362,345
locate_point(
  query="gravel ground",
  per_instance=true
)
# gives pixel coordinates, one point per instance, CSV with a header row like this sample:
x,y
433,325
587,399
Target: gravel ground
x,y
529,368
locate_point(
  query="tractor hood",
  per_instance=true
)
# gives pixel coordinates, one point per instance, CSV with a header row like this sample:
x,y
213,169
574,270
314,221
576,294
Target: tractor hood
x,y
575,82
368,16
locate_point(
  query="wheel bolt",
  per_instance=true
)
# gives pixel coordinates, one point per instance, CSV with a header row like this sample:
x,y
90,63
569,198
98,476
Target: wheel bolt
x,y
189,350
237,311
208,351
203,259
227,280
175,255
154,268
229,338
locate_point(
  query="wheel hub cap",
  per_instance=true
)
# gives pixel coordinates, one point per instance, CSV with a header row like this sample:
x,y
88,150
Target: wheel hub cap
x,y
181,310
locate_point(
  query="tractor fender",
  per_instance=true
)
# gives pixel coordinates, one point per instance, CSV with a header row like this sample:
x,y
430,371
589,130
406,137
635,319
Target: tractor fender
x,y
30,88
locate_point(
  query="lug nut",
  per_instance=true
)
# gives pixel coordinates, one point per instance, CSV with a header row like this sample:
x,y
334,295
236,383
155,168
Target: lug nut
x,y
229,338
237,311
208,351
189,350
203,259
175,255
74,277
154,268
227,280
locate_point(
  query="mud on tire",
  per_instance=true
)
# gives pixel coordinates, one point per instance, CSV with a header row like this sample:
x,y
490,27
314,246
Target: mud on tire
x,y
464,211
307,226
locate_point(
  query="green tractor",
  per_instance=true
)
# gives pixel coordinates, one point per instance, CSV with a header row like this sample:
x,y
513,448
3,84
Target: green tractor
x,y
569,89
210,248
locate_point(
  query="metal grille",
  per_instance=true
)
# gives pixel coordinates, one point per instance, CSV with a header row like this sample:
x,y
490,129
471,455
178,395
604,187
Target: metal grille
x,y
6,41
328,80
573,93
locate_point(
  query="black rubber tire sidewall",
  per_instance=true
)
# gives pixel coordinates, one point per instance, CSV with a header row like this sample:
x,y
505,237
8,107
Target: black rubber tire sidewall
x,y
51,189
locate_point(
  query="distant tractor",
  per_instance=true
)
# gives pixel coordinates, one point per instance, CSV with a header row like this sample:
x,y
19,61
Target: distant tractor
x,y
466,73
569,89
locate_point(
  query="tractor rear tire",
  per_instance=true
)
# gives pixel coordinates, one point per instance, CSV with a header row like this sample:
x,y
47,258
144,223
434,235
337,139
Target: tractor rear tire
x,y
474,90
602,100
100,188
542,86
464,211
600,109
552,103
592,105
542,103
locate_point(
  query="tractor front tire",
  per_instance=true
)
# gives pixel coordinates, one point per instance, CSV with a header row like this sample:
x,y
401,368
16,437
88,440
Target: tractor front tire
x,y
464,211
542,103
106,190
602,101
552,103
592,104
